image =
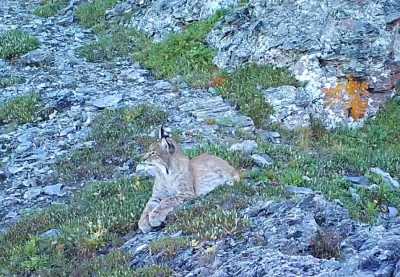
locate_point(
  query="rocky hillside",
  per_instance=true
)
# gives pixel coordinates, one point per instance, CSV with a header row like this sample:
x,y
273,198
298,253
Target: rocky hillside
x,y
299,95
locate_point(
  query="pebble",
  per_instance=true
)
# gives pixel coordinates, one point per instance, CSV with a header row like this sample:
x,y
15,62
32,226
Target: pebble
x,y
263,160
246,147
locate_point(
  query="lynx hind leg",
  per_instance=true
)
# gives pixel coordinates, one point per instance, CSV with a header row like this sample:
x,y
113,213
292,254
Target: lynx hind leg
x,y
159,214
144,224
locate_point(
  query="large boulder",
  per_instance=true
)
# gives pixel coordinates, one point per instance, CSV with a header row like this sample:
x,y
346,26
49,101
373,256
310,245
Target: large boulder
x,y
159,18
345,50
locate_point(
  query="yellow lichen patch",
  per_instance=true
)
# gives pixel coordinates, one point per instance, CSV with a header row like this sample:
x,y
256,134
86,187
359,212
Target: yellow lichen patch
x,y
353,94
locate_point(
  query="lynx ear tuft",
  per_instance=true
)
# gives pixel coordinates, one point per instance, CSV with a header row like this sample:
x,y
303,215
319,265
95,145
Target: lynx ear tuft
x,y
164,132
167,145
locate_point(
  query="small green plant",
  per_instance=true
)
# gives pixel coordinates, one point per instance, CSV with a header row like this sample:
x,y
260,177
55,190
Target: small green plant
x,y
209,224
326,245
184,54
215,216
325,161
119,135
50,8
21,109
8,81
120,42
28,256
15,43
242,88
169,247
97,216
92,14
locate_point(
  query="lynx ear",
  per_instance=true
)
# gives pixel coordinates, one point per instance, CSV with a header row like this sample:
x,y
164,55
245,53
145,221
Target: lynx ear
x,y
167,145
164,132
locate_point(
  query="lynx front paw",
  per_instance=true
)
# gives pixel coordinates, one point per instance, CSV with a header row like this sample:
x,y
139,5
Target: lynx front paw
x,y
155,220
144,225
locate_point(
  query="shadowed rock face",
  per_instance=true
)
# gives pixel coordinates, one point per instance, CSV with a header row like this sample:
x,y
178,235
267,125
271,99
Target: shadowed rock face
x,y
323,42
351,37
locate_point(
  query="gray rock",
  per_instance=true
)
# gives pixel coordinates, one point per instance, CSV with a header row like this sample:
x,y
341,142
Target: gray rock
x,y
3,176
290,104
246,147
358,180
11,215
161,18
396,273
38,57
392,212
258,208
263,160
107,101
299,190
53,190
386,177
32,193
273,137
321,42
51,234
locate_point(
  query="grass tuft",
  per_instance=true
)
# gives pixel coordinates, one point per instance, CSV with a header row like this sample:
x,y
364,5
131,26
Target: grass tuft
x,y
215,216
242,88
8,81
97,217
92,13
20,110
184,54
120,42
326,245
329,156
119,136
49,8
169,247
15,43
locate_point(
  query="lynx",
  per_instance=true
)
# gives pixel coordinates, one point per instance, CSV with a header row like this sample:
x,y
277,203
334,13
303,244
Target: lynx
x,y
178,178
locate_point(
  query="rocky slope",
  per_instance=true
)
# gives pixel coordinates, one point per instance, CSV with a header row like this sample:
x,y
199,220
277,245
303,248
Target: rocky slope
x,y
322,43
74,91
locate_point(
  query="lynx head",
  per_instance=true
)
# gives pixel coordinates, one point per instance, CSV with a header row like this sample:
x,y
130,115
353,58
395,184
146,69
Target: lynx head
x,y
160,154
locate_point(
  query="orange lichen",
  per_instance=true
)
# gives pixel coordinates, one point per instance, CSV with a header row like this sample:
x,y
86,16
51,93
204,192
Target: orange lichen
x,y
353,94
217,82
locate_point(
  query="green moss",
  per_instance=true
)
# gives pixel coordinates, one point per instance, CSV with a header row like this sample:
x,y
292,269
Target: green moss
x,y
118,135
21,109
15,43
169,247
8,81
242,89
120,42
216,215
50,8
96,217
92,14
184,54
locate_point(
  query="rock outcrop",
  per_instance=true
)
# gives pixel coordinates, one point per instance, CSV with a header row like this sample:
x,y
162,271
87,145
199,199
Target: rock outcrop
x,y
345,52
283,240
